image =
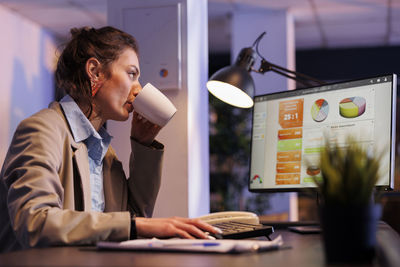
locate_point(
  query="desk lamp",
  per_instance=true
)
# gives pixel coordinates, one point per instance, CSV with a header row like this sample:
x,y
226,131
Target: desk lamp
x,y
231,83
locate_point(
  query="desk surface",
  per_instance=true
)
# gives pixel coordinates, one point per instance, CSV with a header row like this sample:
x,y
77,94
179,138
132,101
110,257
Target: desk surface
x,y
300,250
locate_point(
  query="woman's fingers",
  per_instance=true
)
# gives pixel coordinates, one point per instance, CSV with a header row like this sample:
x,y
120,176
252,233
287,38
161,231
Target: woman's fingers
x,y
191,229
183,234
174,227
200,228
205,226
143,130
139,118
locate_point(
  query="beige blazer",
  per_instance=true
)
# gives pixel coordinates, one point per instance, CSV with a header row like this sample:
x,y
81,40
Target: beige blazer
x,y
45,187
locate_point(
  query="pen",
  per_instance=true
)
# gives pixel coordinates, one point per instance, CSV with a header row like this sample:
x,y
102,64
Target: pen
x,y
205,244
160,244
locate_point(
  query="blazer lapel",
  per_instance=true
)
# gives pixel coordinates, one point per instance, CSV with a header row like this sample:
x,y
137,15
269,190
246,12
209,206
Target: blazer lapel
x,y
81,157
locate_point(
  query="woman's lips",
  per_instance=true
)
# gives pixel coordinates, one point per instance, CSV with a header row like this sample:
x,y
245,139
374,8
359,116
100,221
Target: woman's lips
x,y
129,106
129,102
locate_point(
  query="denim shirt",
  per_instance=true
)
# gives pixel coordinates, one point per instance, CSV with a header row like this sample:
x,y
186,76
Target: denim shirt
x,y
97,144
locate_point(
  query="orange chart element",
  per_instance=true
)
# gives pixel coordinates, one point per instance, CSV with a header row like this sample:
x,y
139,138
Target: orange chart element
x,y
292,178
290,133
313,170
288,167
291,113
288,156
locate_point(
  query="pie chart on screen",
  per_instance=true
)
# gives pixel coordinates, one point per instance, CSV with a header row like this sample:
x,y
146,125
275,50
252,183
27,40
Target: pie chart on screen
x,y
319,110
352,107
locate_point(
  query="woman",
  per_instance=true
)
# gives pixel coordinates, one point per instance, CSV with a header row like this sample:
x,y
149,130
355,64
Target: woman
x,y
61,182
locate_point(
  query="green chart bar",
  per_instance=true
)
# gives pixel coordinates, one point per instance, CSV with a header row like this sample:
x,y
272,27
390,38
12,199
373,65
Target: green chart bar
x,y
288,145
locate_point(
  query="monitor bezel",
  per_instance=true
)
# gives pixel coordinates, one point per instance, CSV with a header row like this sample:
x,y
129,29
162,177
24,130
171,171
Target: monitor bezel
x,y
389,187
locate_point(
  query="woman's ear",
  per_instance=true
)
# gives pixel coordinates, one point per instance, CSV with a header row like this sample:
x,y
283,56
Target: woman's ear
x,y
93,70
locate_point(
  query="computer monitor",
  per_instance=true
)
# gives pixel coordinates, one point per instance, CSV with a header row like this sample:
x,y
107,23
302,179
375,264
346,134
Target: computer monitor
x,y
289,129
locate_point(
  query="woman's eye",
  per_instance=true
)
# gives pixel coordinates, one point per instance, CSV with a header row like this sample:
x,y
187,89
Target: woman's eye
x,y
132,75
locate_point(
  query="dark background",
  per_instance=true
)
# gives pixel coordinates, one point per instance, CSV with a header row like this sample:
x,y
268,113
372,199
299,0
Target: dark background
x,y
350,63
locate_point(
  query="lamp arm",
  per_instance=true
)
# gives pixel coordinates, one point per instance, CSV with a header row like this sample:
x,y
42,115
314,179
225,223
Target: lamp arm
x,y
300,77
303,82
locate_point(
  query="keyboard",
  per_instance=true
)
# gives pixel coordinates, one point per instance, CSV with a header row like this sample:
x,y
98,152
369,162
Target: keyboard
x,y
238,230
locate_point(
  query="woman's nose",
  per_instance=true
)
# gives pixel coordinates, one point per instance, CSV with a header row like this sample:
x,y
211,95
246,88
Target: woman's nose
x,y
136,89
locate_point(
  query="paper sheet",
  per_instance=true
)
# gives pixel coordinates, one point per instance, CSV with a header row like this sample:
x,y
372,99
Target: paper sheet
x,y
195,245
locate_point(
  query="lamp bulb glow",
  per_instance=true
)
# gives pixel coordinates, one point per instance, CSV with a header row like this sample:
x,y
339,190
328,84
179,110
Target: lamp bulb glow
x,y
230,94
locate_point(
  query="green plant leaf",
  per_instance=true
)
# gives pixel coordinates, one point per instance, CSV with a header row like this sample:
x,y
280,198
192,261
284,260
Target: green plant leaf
x,y
349,173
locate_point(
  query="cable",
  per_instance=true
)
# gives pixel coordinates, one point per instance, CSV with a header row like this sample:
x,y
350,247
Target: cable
x,y
257,42
259,38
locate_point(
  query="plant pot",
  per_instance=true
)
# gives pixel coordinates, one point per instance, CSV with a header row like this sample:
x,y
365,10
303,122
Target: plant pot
x,y
349,232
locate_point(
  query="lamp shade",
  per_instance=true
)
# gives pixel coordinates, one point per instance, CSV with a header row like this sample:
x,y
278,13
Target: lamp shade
x,y
229,85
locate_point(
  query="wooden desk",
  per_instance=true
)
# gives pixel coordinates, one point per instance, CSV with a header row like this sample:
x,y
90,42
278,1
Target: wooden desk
x,y
303,250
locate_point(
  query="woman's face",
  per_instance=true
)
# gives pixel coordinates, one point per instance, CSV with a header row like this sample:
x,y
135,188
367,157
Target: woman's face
x,y
115,96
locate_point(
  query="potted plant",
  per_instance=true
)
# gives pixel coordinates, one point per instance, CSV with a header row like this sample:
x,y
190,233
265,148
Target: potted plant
x,y
348,212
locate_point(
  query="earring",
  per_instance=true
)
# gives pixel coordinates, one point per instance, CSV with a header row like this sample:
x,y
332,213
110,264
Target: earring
x,y
94,86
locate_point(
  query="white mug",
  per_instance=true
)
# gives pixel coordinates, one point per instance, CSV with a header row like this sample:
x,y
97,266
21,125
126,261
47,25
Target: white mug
x,y
154,105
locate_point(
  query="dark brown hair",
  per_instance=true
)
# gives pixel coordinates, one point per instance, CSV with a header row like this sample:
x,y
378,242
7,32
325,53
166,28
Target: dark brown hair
x,y
105,44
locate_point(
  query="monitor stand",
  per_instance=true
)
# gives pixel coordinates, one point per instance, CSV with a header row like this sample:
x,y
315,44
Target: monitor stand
x,y
302,227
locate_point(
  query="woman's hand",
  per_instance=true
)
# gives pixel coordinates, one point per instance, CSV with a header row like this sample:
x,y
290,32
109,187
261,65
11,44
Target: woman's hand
x,y
174,227
142,130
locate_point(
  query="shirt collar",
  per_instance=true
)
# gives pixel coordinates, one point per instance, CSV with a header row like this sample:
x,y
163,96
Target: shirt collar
x,y
80,126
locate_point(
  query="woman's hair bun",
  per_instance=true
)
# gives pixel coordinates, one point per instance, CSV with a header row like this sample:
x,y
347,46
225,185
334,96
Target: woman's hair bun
x,y
77,31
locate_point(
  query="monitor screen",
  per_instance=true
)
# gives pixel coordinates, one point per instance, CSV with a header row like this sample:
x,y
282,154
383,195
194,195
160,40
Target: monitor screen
x,y
289,129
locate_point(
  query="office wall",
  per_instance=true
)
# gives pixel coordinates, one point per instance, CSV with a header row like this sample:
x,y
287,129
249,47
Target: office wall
x,y
27,55
278,47
185,177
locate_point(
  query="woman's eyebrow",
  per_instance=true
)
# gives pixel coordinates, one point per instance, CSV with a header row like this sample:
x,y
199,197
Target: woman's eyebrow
x,y
136,69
